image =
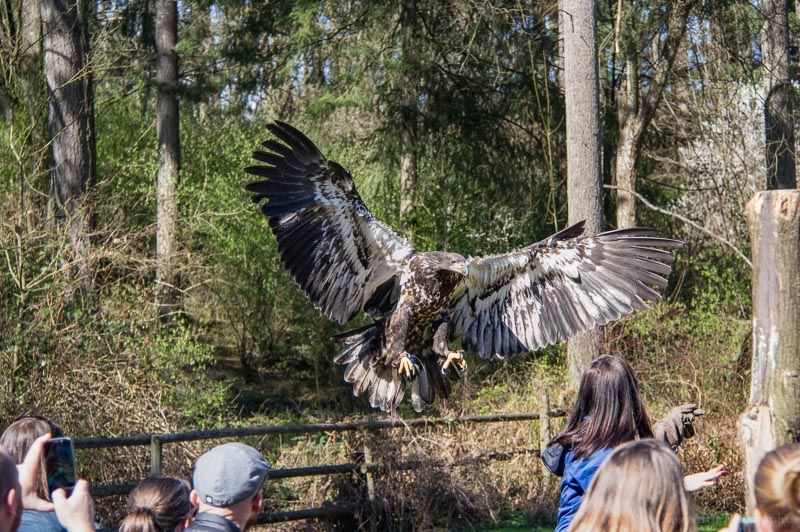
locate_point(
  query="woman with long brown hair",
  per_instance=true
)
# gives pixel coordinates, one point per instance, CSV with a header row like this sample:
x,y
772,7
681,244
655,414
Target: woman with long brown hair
x,y
608,412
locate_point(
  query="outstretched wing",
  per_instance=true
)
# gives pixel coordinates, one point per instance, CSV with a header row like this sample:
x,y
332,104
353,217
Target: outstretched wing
x,y
343,258
549,291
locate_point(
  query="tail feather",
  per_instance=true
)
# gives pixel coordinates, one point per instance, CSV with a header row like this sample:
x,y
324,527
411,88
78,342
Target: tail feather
x,y
361,347
428,383
422,391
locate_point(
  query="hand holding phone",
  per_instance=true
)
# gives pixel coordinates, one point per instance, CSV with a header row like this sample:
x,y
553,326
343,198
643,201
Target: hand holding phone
x,y
59,462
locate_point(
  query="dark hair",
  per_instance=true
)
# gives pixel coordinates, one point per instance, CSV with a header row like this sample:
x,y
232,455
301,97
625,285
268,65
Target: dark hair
x,y
609,410
20,435
8,473
157,504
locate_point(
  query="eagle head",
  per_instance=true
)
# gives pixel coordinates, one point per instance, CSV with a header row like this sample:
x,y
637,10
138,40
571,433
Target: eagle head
x,y
451,262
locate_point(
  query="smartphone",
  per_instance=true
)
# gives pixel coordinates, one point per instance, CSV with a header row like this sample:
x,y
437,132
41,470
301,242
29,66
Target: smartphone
x,y
59,464
747,525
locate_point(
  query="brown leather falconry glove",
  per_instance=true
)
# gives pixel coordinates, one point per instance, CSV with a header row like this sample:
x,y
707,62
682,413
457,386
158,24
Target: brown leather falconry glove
x,y
677,425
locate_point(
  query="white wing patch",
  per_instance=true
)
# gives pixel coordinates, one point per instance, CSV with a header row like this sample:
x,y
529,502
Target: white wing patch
x,y
550,291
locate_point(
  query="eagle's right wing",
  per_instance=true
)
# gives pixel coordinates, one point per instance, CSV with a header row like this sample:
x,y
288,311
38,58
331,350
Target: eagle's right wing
x,y
344,259
552,290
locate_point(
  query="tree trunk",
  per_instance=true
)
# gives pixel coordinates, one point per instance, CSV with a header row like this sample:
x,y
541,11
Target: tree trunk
x,y
773,414
167,129
636,110
631,131
584,173
69,87
408,117
778,108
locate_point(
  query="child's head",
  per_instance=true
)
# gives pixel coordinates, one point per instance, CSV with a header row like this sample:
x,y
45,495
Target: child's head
x,y
158,503
639,487
609,410
777,489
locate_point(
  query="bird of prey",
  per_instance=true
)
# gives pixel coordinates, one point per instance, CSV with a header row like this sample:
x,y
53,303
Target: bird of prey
x,y
500,305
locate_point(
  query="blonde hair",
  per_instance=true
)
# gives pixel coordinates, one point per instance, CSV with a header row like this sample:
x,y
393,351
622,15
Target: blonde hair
x,y
157,504
777,486
639,487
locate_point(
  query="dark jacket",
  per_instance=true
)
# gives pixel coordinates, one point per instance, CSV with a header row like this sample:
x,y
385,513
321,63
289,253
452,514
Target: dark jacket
x,y
206,522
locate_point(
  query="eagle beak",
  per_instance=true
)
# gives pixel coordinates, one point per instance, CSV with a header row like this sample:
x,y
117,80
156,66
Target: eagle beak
x,y
461,268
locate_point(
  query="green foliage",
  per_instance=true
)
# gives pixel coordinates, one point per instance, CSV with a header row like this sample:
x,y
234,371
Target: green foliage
x,y
471,91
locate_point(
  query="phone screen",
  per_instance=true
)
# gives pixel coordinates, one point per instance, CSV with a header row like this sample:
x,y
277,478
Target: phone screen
x,y
59,462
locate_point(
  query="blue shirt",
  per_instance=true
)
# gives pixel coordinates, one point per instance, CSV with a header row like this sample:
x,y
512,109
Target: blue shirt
x,y
33,521
578,475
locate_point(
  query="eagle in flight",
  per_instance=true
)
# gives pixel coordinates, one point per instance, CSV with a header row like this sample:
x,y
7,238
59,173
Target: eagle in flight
x,y
500,305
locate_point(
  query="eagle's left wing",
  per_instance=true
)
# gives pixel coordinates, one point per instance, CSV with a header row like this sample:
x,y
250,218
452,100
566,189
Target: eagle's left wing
x,y
549,291
342,257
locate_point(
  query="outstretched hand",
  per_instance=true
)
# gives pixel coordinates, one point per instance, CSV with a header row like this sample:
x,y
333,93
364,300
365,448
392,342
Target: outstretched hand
x,y
29,477
706,479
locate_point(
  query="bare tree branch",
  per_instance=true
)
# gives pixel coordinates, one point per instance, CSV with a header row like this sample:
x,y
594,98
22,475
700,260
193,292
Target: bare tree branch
x,y
686,221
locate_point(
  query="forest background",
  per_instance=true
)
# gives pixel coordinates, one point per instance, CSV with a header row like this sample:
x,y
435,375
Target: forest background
x,y
451,117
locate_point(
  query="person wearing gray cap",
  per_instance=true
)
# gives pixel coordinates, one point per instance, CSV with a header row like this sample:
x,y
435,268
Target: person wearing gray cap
x,y
227,484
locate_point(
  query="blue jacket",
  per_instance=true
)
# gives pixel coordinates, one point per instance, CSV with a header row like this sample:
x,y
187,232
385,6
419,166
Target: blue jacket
x,y
578,475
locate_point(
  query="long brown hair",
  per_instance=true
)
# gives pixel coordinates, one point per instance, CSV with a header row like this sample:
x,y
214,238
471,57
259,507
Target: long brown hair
x,y
20,435
639,488
157,504
777,486
609,410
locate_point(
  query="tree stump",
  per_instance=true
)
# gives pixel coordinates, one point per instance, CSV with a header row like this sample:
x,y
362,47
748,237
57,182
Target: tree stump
x,y
773,414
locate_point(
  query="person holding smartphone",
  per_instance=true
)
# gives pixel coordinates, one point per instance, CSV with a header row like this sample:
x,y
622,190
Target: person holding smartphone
x,y
18,439
18,492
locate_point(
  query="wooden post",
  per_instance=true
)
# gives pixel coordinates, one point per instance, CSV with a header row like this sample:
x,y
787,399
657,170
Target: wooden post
x,y
156,459
544,418
773,414
365,469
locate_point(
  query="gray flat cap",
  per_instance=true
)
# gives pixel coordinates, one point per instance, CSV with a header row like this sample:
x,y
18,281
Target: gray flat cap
x,y
228,474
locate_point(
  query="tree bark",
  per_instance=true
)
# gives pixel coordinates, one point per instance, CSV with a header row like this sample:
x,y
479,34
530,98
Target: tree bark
x,y
636,112
631,133
778,108
773,414
584,172
168,132
408,117
69,87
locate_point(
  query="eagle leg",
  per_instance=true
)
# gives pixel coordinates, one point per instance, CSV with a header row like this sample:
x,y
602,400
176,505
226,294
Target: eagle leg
x,y
441,348
407,366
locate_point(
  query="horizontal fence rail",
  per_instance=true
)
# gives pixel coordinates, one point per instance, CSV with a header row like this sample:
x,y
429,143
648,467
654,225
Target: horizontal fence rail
x,y
367,468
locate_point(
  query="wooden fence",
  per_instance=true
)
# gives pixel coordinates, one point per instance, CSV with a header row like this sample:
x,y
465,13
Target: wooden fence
x,y
367,469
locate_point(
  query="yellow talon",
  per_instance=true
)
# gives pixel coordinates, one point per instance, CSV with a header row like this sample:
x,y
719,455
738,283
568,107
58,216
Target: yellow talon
x,y
457,358
406,367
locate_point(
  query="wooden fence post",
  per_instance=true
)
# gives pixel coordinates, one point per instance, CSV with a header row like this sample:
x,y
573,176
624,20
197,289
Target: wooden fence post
x,y
773,414
544,419
366,471
156,459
